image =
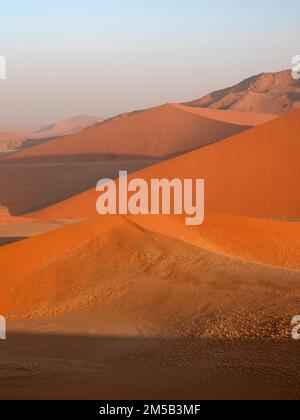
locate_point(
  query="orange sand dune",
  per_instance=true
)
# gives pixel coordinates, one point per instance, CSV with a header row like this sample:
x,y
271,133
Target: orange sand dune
x,y
157,132
218,299
254,174
271,242
95,262
233,117
109,301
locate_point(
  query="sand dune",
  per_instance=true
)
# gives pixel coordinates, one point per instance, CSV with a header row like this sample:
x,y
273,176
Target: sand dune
x,y
112,295
143,301
60,128
109,301
22,130
15,136
270,242
277,93
192,310
66,127
158,132
250,119
94,263
254,174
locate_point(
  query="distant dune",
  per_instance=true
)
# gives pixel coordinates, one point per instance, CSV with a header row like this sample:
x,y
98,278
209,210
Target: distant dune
x,y
66,127
29,135
158,132
253,173
23,130
276,93
10,141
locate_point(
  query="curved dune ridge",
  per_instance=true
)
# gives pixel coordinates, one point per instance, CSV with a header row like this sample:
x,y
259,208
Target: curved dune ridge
x,y
119,264
271,242
157,132
251,119
254,173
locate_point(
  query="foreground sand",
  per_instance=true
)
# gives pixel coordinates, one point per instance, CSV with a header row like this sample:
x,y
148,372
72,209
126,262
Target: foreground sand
x,y
112,309
56,366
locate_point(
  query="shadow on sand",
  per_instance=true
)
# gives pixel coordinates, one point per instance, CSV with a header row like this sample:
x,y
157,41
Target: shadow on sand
x,y
54,366
11,240
27,187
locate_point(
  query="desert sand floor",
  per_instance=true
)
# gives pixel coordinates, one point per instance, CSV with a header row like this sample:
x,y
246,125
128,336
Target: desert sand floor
x,y
57,366
132,313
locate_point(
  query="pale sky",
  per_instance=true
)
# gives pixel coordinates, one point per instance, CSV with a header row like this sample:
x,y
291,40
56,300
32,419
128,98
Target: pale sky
x,y
100,57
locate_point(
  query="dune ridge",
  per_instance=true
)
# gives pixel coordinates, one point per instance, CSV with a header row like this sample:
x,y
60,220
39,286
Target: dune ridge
x,y
250,174
157,132
61,271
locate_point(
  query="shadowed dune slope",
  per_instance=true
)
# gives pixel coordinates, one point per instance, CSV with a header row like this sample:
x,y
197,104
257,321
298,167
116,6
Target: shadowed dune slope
x,y
254,173
117,264
157,132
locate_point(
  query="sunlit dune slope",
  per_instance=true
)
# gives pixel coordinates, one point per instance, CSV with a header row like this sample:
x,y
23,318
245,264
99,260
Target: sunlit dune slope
x,y
251,119
270,242
114,268
157,132
254,173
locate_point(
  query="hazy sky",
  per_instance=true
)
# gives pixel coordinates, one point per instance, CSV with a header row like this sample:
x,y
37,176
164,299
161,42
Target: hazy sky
x,y
103,57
